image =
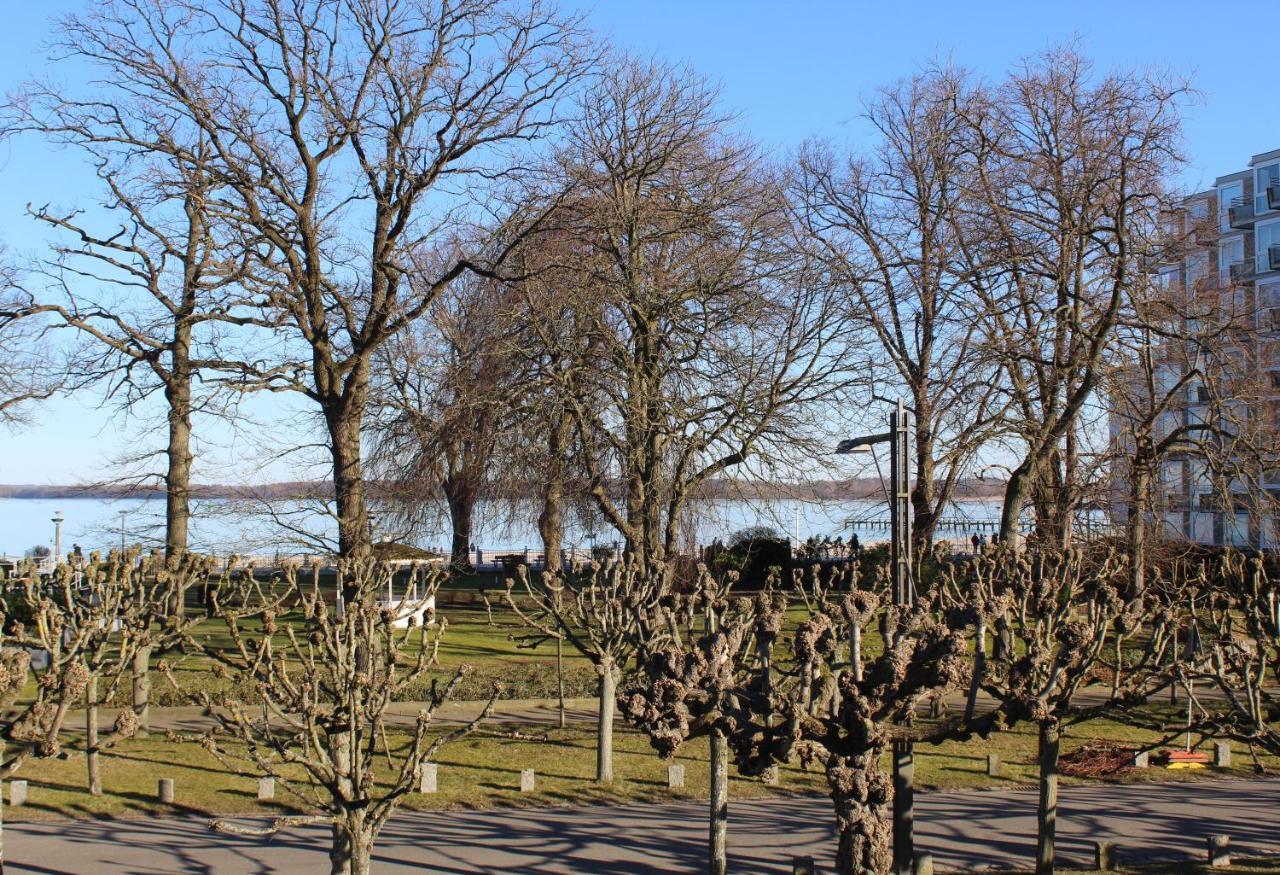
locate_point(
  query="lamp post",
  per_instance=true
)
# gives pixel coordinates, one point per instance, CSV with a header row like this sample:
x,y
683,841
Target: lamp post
x,y
123,513
898,439
57,536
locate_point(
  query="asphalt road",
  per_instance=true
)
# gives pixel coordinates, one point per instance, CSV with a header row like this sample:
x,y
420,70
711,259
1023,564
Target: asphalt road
x,y
964,831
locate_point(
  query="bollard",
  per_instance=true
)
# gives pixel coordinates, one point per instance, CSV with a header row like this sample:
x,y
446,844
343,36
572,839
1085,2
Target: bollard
x,y
675,777
526,781
993,765
802,866
923,865
164,790
1142,759
266,789
17,793
1219,851
1104,856
428,778
1221,755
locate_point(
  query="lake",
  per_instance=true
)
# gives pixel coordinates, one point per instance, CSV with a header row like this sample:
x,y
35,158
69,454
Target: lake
x,y
223,526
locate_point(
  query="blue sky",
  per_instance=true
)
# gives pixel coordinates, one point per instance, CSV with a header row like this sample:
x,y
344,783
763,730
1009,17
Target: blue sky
x,y
790,70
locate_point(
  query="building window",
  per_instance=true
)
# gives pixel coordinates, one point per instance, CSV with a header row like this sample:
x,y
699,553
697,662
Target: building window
x,y
1229,252
1227,194
1267,174
1197,269
1268,236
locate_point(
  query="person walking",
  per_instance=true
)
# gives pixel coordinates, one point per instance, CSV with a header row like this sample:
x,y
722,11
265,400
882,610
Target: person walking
x,y
974,542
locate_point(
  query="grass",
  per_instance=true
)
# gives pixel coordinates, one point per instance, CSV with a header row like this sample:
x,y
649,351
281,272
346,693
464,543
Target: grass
x,y
482,771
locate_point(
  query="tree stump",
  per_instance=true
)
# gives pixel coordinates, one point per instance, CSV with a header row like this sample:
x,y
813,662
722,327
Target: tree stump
x,y
266,789
993,765
17,793
526,781
1104,856
1219,850
675,777
428,778
164,790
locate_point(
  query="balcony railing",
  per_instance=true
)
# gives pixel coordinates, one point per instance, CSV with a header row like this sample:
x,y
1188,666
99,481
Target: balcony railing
x,y
1240,214
1273,196
1273,257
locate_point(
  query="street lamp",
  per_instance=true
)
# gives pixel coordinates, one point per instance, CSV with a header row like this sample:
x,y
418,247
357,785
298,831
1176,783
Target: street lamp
x,y
57,536
123,513
898,439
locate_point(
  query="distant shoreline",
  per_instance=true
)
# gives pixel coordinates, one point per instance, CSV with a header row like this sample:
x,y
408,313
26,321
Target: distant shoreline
x,y
819,490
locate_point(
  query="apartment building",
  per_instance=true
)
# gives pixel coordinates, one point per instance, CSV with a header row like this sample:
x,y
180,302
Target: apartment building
x,y
1224,273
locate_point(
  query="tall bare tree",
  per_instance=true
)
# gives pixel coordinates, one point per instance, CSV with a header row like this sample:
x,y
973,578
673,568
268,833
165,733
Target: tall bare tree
x,y
699,344
1066,178
890,226
350,135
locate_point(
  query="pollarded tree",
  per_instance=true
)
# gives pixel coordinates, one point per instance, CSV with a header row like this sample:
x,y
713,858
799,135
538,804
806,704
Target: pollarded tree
x,y
817,710
312,687
607,612
1055,612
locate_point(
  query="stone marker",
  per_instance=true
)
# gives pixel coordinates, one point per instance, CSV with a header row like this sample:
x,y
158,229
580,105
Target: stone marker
x,y
802,866
1221,754
923,865
1219,850
428,778
164,790
266,789
1104,856
1142,759
675,776
771,776
17,793
526,781
993,765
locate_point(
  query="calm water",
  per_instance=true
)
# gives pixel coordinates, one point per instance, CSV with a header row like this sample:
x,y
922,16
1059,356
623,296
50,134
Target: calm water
x,y
290,527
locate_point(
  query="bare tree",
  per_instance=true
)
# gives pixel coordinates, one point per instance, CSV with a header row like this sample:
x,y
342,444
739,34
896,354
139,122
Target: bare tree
x,y
1065,182
605,612
314,713
891,228
28,376
699,343
350,135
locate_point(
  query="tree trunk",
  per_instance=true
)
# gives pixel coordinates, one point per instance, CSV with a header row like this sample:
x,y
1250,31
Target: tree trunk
x,y
560,680
863,796
141,681
717,849
1047,813
344,416
550,518
855,651
91,754
178,455
904,800
979,670
1015,493
461,499
351,852
604,725
1139,501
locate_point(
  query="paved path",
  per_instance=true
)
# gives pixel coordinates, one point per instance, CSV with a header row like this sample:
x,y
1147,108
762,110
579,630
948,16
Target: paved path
x,y
969,830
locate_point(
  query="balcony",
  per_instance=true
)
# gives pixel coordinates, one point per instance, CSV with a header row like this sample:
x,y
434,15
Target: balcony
x,y
1273,257
1273,196
1240,214
1240,271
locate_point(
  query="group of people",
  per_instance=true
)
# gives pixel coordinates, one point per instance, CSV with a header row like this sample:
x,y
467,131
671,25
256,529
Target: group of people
x,y
979,541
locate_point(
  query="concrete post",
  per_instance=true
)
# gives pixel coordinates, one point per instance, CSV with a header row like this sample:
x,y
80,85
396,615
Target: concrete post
x,y
17,793
1221,755
675,777
1219,850
1142,760
1104,856
164,790
803,866
771,776
266,789
923,865
526,781
428,778
993,765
